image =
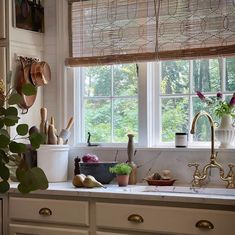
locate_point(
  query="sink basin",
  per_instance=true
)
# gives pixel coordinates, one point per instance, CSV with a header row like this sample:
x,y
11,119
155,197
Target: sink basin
x,y
178,190
191,190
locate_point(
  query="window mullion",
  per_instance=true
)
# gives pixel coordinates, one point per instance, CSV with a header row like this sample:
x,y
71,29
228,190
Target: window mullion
x,y
153,104
82,105
191,88
143,113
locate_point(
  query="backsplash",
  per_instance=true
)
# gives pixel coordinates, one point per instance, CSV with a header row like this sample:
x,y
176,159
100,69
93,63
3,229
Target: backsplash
x,y
153,160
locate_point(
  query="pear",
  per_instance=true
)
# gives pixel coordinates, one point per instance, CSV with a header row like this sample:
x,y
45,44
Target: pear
x,y
91,182
78,180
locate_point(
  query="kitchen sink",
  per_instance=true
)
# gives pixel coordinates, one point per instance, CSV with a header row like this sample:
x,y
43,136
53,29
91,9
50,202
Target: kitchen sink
x,y
192,190
178,190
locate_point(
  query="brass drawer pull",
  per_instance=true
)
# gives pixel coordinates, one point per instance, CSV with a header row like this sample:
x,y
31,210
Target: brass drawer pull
x,y
45,211
136,218
204,224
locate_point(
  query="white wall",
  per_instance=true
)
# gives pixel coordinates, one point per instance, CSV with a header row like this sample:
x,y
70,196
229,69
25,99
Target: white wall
x,y
30,44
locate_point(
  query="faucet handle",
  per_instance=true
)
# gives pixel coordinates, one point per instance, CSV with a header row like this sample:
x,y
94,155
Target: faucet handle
x,y
196,165
230,173
230,178
231,165
196,175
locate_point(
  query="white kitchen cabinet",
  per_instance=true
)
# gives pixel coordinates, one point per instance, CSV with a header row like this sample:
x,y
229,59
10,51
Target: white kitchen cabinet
x,y
2,19
164,219
16,229
48,216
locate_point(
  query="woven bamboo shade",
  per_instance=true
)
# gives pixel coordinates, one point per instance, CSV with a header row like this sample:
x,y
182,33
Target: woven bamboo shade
x,y
125,31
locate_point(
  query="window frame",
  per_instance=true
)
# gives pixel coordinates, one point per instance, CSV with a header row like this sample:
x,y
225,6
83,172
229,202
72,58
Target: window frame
x,y
149,96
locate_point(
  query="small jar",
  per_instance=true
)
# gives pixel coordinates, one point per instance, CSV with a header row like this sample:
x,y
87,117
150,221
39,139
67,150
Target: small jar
x,y
181,140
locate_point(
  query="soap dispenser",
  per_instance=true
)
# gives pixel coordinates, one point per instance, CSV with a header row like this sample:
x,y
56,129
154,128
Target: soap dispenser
x,y
130,153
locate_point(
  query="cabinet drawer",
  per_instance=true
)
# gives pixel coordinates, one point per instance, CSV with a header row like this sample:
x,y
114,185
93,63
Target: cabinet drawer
x,y
49,210
164,219
16,229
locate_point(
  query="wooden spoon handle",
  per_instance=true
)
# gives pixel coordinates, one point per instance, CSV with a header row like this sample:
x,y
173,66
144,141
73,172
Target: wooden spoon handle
x,y
43,114
70,123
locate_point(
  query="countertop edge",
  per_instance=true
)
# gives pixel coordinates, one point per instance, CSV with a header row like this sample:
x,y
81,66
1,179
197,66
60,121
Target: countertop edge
x,y
128,193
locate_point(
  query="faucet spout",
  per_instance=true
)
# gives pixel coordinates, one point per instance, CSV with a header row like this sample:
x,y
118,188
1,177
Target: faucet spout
x,y
200,176
193,130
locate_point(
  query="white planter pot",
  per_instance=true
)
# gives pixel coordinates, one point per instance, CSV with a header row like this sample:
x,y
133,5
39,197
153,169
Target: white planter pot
x,y
225,133
53,160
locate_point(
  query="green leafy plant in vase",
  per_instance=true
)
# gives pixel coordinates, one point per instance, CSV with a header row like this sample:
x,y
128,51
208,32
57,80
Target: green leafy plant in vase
x,y
122,170
11,149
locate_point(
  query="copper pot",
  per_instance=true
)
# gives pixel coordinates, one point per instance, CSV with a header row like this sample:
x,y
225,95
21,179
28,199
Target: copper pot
x,y
23,77
40,73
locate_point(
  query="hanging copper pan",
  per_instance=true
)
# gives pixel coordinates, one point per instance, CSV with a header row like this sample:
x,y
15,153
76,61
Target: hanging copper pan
x,y
40,73
23,77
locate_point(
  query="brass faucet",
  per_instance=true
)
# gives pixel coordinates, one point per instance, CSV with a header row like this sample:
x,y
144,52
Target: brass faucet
x,y
198,176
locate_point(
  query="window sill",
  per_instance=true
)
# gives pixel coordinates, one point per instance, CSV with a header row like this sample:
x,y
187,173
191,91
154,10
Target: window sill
x,y
165,148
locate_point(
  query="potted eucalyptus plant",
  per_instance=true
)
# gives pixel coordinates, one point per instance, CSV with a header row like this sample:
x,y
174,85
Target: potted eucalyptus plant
x,y
122,170
11,149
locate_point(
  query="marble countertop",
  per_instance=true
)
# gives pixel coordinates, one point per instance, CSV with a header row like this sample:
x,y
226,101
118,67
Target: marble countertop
x,y
214,195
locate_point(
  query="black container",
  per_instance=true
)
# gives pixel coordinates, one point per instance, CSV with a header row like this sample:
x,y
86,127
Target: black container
x,y
99,170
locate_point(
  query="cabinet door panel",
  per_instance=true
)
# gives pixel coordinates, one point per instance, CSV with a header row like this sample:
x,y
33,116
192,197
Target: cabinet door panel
x,y
16,229
2,20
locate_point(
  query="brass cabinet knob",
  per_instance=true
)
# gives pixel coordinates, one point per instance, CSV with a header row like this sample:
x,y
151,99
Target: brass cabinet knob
x,y
45,211
135,218
204,224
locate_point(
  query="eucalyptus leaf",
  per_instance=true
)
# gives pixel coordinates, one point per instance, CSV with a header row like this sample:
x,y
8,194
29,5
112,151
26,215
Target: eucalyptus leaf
x,y
15,99
17,147
36,139
23,188
11,111
22,129
4,186
4,172
20,174
2,111
32,179
1,123
10,120
4,141
4,132
29,89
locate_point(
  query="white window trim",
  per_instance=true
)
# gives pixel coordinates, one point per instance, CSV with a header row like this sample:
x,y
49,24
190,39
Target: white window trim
x,y
149,108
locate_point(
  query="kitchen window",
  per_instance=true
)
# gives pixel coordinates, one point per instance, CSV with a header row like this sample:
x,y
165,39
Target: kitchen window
x,y
174,32
178,85
108,101
153,100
